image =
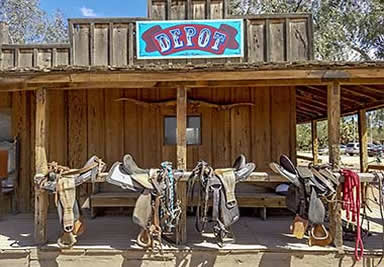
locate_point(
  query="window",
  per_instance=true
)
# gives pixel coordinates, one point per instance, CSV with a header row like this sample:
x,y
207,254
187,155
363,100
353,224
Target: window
x,y
5,125
193,130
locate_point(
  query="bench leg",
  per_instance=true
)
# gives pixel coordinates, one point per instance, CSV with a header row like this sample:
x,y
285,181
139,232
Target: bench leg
x,y
93,212
263,213
181,230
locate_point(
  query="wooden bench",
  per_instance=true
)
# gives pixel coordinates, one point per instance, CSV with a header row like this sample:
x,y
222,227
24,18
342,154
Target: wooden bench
x,y
262,200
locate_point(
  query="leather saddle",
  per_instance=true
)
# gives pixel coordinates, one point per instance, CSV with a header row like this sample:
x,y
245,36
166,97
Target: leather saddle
x,y
309,185
157,189
220,185
129,176
62,182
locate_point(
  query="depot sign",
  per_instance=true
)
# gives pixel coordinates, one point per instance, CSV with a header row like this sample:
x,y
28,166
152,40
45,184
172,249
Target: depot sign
x,y
189,39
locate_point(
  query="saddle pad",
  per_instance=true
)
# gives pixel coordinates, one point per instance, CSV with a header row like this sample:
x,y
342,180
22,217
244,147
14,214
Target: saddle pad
x,y
67,196
316,212
119,177
3,164
228,180
304,172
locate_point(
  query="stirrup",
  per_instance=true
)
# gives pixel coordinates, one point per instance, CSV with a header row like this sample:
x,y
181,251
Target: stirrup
x,y
319,236
299,227
66,240
144,239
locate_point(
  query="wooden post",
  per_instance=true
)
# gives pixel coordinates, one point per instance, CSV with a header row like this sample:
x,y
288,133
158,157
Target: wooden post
x,y
334,159
334,124
182,128
315,142
181,233
363,140
41,165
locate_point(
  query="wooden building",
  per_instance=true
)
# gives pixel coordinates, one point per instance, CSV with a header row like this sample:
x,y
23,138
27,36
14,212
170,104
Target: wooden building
x,y
93,96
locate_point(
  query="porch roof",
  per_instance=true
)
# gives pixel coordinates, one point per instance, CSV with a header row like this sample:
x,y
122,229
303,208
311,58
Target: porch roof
x,y
362,83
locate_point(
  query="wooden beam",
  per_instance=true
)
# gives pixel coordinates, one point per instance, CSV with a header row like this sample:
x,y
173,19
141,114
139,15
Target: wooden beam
x,y
358,94
372,89
309,114
181,116
311,101
363,140
316,108
315,142
181,128
322,92
333,94
41,165
182,74
334,114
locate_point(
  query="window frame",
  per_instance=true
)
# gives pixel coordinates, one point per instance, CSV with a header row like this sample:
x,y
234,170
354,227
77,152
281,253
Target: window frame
x,y
189,115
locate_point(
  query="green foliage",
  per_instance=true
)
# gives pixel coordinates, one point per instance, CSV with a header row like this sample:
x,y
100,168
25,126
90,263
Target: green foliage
x,y
304,136
343,29
28,23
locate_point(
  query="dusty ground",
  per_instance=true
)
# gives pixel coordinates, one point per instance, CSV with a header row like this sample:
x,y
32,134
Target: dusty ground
x,y
109,241
346,161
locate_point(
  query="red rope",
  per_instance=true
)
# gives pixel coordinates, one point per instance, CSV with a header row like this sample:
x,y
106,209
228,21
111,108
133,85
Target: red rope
x,y
352,205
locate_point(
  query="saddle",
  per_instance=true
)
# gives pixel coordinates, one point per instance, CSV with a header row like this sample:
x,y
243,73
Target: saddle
x,y
62,182
219,185
157,209
309,187
3,164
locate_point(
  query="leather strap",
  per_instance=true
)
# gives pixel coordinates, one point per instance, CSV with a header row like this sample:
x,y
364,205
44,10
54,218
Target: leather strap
x,y
67,196
215,203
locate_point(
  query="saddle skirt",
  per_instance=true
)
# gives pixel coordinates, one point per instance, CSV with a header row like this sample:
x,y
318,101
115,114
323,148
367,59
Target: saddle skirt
x,y
66,190
228,180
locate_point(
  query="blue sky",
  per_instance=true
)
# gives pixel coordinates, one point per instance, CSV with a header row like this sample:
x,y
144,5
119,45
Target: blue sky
x,y
97,8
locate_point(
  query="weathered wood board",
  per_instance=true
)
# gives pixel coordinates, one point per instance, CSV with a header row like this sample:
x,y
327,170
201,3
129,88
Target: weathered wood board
x,y
83,123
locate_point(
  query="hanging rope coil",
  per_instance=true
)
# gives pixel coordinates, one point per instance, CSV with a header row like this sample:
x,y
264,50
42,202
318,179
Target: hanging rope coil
x,y
351,205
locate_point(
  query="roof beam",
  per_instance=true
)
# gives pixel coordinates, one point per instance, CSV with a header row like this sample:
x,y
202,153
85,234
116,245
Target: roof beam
x,y
319,93
359,94
311,100
308,111
372,89
322,110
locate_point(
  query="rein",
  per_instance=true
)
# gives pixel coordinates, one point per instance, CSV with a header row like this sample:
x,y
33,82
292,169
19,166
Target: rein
x,y
351,205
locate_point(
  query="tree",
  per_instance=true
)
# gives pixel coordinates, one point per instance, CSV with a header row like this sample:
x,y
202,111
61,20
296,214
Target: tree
x,y
28,23
343,29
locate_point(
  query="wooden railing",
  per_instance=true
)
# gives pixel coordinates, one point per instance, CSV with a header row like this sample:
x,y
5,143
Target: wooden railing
x,y
34,55
112,42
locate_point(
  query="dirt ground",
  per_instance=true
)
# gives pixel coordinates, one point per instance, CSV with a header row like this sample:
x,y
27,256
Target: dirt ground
x,y
346,160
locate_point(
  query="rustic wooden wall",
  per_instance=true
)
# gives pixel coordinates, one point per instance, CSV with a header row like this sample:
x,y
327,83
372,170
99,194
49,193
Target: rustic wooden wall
x,y
83,123
22,128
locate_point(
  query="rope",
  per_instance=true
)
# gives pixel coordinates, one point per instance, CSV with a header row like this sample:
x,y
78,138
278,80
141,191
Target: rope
x,y
381,192
352,206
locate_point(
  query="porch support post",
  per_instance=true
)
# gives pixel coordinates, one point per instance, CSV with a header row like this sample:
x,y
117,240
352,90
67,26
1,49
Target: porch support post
x,y
363,140
333,95
41,166
181,128
181,233
315,142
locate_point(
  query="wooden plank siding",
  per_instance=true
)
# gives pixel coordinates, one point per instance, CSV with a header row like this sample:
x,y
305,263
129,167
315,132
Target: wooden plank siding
x,y
82,123
112,41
